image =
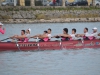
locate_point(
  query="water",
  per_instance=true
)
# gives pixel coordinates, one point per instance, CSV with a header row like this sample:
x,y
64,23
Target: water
x,y
63,62
58,62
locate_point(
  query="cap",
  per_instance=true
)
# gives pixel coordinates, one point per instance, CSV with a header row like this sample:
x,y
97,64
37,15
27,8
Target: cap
x,y
1,23
29,30
94,28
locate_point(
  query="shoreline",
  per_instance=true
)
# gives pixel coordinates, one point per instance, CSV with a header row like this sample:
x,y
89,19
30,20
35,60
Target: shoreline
x,y
61,20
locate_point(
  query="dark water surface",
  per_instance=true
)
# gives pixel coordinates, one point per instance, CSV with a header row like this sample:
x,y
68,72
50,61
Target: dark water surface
x,y
58,62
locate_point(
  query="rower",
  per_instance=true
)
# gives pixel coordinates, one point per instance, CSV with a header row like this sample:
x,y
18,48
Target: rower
x,y
45,32
47,36
27,37
72,36
94,34
85,35
64,36
28,32
44,37
49,33
21,38
99,34
2,30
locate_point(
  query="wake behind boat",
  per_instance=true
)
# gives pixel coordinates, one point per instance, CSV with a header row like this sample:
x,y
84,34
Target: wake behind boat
x,y
50,45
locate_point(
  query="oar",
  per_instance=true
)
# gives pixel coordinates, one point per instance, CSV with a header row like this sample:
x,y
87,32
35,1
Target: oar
x,y
5,39
60,43
82,40
37,40
56,36
17,45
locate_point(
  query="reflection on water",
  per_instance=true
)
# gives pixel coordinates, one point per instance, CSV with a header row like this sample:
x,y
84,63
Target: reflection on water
x,y
58,62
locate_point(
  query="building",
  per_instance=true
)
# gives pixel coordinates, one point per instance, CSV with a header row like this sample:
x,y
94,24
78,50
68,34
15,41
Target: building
x,y
22,2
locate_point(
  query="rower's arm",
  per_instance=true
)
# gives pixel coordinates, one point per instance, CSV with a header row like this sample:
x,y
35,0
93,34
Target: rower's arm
x,y
39,35
43,36
13,36
19,37
79,35
55,36
65,35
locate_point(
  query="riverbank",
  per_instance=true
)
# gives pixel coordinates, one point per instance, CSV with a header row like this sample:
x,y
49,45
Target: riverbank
x,y
49,14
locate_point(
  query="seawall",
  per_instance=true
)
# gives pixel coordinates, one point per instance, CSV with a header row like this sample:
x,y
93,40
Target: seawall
x,y
49,14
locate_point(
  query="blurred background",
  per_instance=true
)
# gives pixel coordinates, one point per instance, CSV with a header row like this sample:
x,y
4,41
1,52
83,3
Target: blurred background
x,y
49,2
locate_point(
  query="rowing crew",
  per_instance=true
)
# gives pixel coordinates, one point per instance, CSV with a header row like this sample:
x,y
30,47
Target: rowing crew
x,y
25,36
86,36
46,36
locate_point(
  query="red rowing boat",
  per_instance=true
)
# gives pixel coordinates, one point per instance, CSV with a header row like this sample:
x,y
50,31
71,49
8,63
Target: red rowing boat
x,y
51,45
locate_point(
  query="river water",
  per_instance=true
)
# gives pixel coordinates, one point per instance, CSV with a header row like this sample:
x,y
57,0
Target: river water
x,y
58,62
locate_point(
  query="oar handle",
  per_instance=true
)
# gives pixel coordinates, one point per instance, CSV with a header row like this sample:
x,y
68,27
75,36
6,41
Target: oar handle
x,y
56,36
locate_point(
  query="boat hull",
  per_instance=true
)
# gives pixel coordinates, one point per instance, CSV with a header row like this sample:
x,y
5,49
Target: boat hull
x,y
51,45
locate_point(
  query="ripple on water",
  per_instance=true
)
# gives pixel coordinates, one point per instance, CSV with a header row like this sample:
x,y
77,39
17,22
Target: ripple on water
x,y
54,62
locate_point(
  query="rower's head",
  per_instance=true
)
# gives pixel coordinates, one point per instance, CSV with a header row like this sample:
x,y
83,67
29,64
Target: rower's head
x,y
45,32
94,30
49,31
22,32
28,31
99,34
85,30
1,25
65,31
73,31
